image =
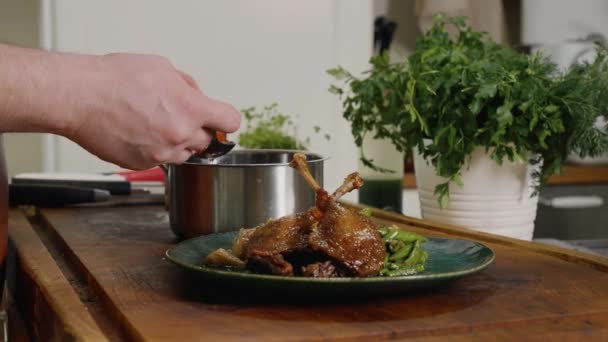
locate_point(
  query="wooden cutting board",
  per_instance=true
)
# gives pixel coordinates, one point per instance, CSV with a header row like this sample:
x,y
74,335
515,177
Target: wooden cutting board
x,y
99,274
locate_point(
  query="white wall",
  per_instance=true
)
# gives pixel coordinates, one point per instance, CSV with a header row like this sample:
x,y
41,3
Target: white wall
x,y
240,51
555,21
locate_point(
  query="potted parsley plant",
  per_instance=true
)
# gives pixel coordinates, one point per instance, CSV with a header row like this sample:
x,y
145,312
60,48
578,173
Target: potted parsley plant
x,y
270,128
487,124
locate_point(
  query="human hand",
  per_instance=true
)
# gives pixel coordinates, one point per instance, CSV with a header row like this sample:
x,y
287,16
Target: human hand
x,y
142,112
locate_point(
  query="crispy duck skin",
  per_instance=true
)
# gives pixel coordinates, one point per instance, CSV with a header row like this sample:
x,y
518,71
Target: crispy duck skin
x,y
282,236
350,240
328,240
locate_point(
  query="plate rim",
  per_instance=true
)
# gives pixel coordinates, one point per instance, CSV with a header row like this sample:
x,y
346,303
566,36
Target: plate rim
x,y
376,279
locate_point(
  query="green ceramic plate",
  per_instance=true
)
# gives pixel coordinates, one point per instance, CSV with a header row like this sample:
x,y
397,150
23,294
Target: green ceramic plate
x,y
449,259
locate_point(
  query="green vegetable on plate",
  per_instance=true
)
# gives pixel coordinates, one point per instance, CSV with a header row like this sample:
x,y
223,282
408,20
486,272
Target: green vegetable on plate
x,y
404,253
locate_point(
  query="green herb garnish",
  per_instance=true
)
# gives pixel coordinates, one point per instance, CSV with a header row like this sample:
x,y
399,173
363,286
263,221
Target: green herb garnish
x,y
404,253
366,212
468,91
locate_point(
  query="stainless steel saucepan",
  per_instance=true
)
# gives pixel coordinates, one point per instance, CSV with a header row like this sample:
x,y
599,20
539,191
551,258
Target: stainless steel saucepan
x,y
238,190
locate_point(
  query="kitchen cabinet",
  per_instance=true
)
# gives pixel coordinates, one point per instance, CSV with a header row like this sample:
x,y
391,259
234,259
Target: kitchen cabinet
x,y
573,212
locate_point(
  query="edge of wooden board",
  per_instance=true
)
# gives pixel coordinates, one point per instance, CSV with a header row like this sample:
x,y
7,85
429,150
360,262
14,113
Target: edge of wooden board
x,y
571,175
52,289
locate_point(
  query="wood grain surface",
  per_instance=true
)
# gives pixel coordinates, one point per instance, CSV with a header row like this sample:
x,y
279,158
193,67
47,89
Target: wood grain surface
x,y
52,306
581,174
571,175
531,290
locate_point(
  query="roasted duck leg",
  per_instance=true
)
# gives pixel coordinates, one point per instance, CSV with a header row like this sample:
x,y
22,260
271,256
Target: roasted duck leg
x,y
345,237
328,240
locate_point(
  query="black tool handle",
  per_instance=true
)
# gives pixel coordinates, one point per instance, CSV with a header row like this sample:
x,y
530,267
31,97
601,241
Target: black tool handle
x,y
114,187
53,195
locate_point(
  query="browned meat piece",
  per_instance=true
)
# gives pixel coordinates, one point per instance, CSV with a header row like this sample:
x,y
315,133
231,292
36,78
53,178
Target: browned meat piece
x,y
279,236
239,243
349,239
320,270
266,262
282,236
222,257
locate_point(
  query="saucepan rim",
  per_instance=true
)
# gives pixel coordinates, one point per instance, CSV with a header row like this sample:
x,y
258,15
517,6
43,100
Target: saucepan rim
x,y
312,158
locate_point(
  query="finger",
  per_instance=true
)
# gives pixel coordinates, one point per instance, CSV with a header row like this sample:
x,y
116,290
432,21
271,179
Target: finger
x,y
180,156
199,141
214,114
189,79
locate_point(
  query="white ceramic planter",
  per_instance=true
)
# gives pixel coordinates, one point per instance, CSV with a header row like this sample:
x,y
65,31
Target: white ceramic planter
x,y
494,198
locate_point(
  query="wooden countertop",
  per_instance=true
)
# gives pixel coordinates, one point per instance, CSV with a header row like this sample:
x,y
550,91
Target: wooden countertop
x,y
571,175
98,273
581,174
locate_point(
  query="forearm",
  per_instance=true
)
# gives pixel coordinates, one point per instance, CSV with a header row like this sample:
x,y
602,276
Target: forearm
x,y
41,91
133,110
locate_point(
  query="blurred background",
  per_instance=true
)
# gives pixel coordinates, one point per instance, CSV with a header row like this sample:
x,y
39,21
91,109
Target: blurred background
x,y
253,53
